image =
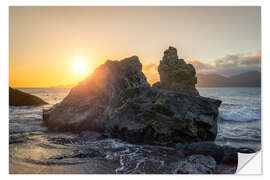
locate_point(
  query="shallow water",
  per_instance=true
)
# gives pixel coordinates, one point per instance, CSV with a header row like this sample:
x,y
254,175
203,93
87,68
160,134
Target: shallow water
x,y
34,150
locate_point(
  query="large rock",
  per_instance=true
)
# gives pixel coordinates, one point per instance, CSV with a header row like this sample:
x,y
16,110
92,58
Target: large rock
x,y
19,98
164,117
93,100
117,99
176,75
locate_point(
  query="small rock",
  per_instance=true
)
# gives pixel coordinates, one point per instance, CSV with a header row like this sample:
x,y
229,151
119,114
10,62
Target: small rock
x,y
246,150
226,157
19,98
196,164
221,154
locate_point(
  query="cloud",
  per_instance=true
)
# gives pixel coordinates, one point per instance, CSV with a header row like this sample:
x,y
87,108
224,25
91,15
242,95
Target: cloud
x,y
230,64
200,66
254,60
149,67
233,60
151,72
230,60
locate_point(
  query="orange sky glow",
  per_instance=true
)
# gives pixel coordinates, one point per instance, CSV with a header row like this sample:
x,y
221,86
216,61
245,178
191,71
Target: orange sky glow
x,y
52,46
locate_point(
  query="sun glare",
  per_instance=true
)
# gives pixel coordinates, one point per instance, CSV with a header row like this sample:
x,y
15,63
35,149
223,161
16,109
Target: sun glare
x,y
80,67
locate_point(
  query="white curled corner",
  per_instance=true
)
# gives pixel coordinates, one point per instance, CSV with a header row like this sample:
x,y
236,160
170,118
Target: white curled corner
x,y
249,163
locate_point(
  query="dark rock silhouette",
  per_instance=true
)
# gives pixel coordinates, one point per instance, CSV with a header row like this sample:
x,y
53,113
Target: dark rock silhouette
x,y
117,99
176,75
19,98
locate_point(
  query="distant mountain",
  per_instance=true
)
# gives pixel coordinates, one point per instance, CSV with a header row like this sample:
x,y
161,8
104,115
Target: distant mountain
x,y
247,79
63,86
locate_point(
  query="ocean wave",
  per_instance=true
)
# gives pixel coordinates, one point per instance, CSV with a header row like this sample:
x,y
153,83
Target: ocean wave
x,y
239,119
240,113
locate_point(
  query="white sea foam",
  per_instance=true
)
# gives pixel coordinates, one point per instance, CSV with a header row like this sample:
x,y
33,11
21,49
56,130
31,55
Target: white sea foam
x,y
240,113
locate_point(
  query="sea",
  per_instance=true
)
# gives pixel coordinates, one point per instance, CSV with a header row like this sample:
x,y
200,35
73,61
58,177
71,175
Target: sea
x,y
34,150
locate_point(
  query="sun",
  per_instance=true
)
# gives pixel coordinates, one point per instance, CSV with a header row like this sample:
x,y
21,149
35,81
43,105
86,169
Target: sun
x,y
80,67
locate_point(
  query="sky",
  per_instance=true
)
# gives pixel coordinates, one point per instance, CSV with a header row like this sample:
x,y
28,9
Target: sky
x,y
52,46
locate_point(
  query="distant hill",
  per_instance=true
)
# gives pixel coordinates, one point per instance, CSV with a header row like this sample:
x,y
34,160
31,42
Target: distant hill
x,y
247,79
63,86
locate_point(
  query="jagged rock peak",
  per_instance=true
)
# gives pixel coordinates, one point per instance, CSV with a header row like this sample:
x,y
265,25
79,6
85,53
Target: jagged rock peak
x,y
176,74
170,53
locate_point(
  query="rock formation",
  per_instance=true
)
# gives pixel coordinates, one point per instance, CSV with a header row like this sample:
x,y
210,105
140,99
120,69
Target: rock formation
x,y
116,99
19,98
92,101
176,75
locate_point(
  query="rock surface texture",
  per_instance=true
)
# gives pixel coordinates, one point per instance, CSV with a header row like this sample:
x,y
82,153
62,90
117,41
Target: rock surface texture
x,y
164,117
176,75
206,158
19,98
117,99
196,164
